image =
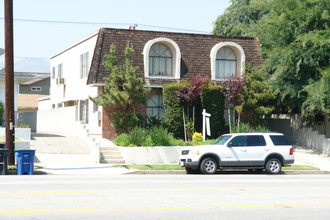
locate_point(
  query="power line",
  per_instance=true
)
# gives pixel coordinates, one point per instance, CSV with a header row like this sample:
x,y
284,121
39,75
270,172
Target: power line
x,y
105,23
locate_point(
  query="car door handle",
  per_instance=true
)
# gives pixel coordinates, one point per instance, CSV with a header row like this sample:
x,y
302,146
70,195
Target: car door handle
x,y
243,150
266,149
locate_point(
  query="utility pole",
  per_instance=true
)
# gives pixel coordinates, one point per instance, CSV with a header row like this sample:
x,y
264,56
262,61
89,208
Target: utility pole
x,y
9,81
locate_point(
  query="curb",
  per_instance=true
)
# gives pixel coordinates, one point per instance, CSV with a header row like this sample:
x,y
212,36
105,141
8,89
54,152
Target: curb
x,y
286,172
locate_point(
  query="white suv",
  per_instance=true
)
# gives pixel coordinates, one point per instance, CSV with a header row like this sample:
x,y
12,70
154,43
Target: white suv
x,y
253,151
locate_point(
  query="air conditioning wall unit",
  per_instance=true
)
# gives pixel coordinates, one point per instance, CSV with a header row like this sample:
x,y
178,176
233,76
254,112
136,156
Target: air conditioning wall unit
x,y
60,81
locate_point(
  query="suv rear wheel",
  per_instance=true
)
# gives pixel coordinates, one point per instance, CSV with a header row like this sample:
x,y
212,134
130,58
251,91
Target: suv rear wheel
x,y
273,166
208,166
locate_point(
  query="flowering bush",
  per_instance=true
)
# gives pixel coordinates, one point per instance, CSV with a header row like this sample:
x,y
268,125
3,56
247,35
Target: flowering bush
x,y
197,137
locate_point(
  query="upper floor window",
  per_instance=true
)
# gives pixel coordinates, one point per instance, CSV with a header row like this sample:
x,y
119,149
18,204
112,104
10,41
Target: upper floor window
x,y
36,89
227,58
60,71
225,64
162,59
84,65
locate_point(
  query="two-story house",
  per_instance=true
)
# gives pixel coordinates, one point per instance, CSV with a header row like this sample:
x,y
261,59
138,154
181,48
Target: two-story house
x,y
77,72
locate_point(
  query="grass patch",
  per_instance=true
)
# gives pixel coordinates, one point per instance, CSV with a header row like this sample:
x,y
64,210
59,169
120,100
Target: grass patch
x,y
14,167
300,167
178,167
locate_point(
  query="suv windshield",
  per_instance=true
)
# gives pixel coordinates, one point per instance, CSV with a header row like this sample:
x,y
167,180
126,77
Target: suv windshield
x,y
221,140
279,140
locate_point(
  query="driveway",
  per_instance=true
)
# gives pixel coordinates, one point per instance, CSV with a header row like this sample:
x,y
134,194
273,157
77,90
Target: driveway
x,y
47,143
59,149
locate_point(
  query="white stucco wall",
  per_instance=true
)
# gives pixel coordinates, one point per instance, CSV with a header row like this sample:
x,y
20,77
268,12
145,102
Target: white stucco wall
x,y
75,88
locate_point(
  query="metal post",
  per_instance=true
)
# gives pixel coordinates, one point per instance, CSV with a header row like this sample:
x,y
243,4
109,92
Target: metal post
x,y
9,81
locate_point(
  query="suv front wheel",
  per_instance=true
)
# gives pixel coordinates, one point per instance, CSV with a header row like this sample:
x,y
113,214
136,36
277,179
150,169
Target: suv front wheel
x,y
273,166
208,166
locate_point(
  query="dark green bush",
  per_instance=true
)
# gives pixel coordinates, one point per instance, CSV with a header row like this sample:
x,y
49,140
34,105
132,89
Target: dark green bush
x,y
245,127
213,102
173,109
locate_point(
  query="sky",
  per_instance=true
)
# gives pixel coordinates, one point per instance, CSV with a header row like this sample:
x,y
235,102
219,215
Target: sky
x,y
35,39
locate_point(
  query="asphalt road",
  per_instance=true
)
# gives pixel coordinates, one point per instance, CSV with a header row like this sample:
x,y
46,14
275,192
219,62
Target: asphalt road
x,y
165,197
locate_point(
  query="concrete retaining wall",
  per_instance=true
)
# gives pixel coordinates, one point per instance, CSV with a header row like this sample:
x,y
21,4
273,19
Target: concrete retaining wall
x,y
151,155
291,127
23,134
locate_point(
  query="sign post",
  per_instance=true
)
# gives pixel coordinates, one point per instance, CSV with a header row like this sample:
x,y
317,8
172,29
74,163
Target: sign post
x,y
206,122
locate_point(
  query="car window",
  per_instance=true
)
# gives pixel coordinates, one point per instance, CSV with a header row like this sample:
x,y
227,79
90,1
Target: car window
x,y
221,140
238,141
279,140
255,140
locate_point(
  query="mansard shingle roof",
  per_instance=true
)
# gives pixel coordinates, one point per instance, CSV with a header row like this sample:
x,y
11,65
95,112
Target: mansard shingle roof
x,y
195,51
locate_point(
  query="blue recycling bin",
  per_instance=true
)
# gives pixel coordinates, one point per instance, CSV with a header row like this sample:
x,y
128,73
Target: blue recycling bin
x,y
25,161
3,161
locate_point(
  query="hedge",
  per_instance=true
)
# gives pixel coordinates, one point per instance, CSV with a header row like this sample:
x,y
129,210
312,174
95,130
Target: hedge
x,y
173,110
213,102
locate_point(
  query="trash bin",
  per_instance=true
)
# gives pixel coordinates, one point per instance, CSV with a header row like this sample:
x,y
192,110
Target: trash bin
x,y
3,161
25,161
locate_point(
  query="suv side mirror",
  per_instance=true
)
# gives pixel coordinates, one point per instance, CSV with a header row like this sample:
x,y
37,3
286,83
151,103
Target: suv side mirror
x,y
230,144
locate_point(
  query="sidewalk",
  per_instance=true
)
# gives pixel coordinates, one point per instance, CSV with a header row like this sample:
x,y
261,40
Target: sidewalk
x,y
80,165
62,154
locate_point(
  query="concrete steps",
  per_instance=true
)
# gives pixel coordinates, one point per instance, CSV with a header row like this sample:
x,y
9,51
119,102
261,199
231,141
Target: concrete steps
x,y
111,155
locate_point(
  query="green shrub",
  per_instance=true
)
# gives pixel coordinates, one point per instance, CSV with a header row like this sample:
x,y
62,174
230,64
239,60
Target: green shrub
x,y
137,136
19,125
213,102
122,140
147,142
159,136
173,109
245,127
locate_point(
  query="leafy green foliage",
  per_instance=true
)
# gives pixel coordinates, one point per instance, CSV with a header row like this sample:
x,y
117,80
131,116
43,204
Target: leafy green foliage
x,y
122,140
173,109
246,127
123,90
258,98
137,136
213,101
159,136
295,43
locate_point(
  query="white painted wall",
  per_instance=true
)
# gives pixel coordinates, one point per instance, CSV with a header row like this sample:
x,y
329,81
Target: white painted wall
x,y
75,88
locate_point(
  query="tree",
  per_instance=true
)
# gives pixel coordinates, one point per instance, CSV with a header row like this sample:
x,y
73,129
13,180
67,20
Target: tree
x,y
123,90
258,98
294,35
232,87
239,16
190,95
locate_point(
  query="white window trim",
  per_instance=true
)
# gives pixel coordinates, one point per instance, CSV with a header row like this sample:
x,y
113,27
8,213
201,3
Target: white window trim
x,y
176,57
240,56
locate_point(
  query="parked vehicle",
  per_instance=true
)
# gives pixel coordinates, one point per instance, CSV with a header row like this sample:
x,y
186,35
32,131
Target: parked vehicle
x,y
252,151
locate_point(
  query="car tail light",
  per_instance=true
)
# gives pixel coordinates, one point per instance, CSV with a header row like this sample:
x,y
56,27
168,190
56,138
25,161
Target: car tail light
x,y
291,151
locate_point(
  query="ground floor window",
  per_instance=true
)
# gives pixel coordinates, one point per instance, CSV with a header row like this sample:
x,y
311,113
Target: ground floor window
x,y
155,106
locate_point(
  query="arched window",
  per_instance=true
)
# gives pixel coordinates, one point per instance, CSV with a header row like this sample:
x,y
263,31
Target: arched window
x,y
155,106
227,58
160,60
225,64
